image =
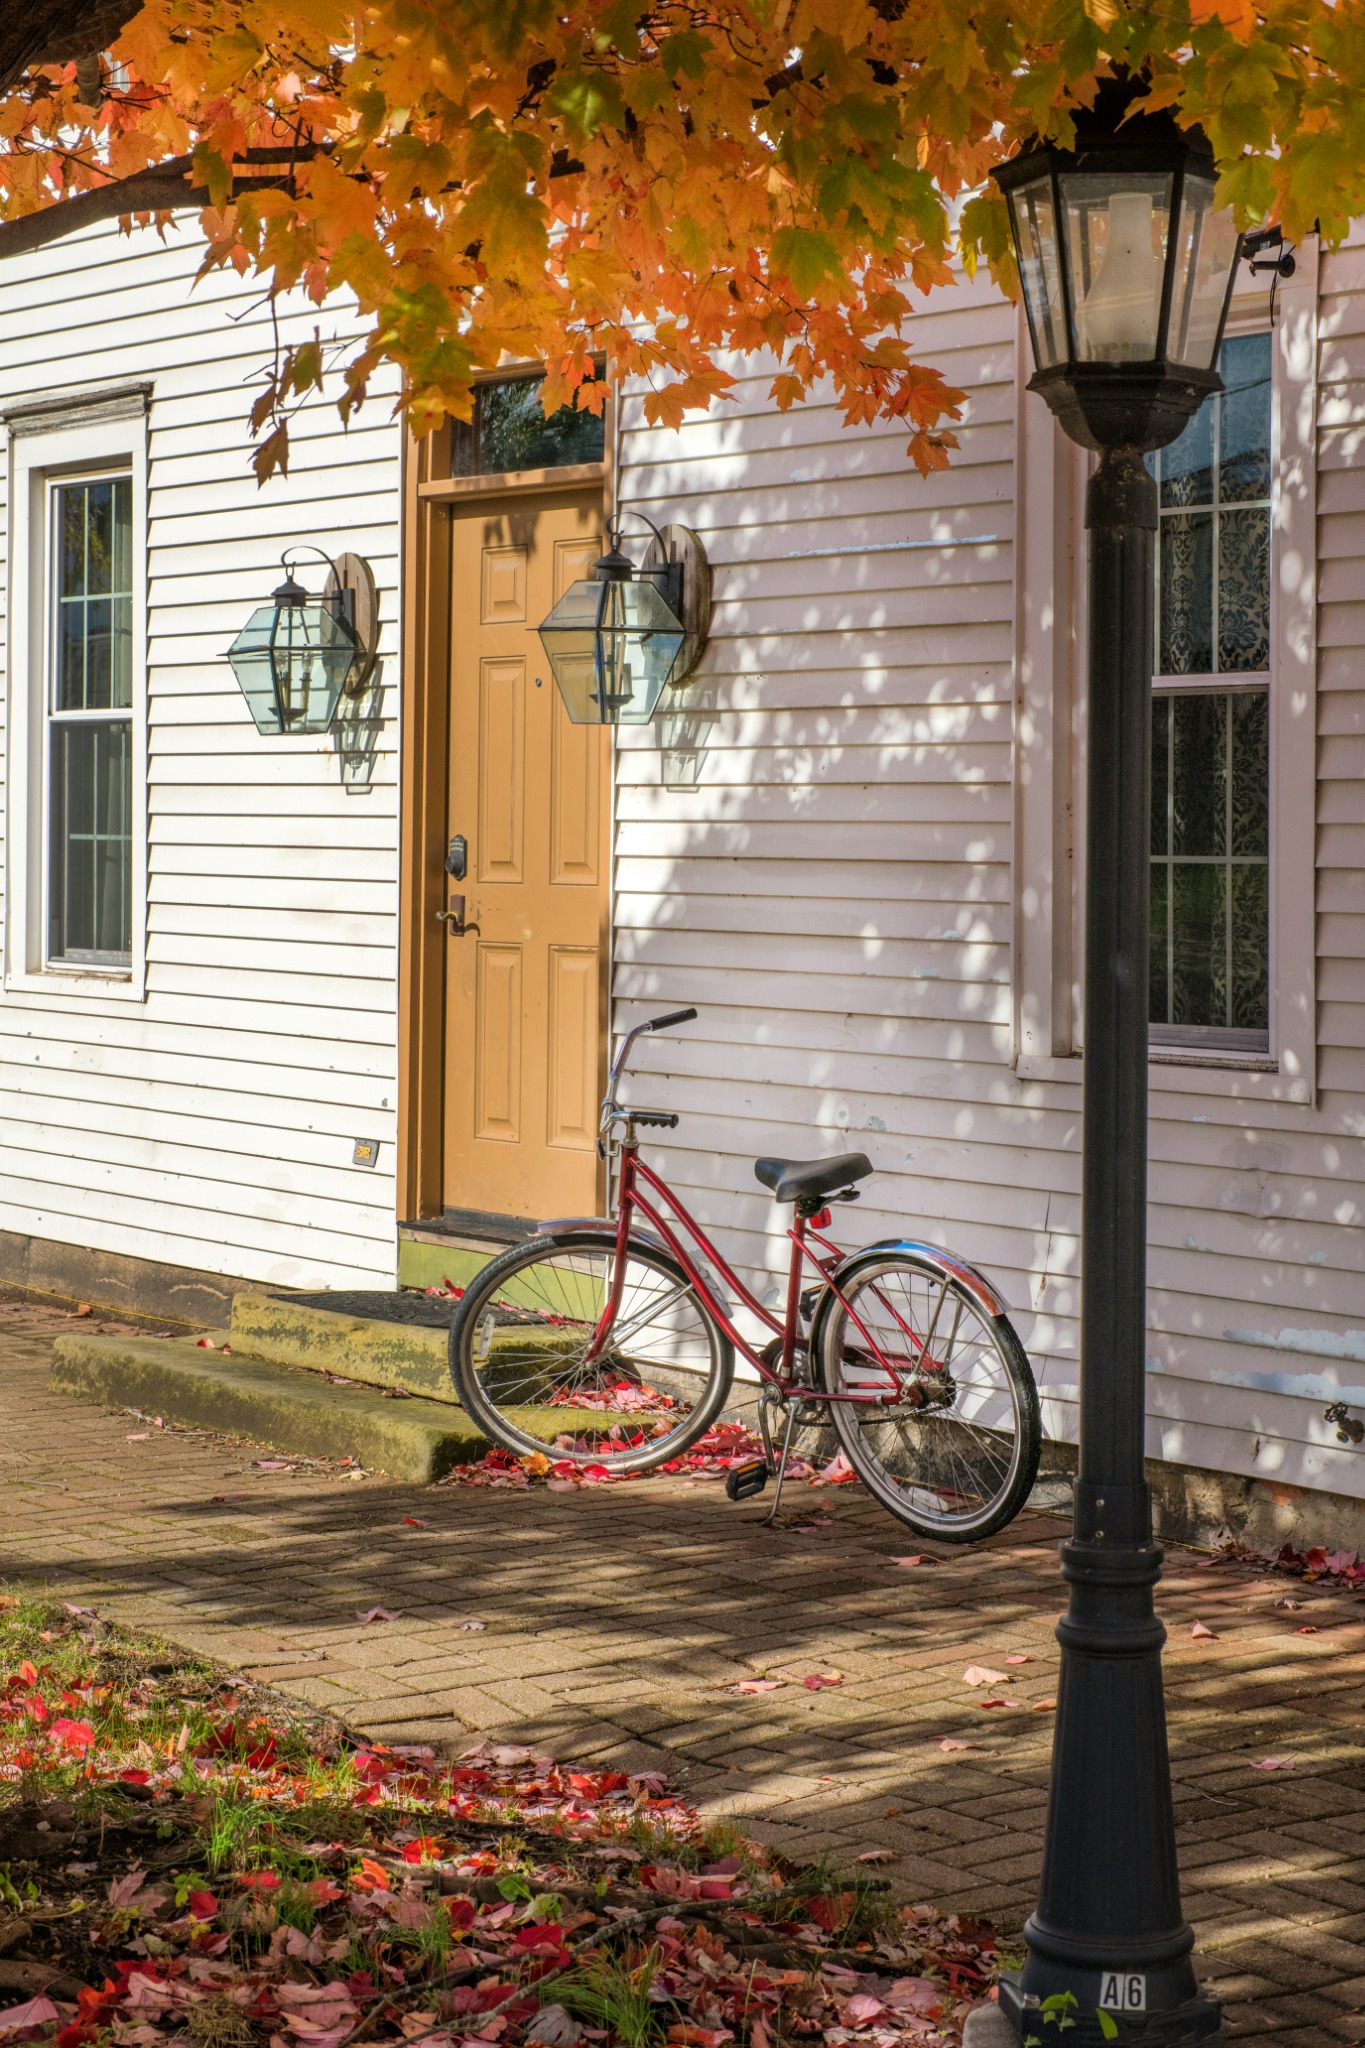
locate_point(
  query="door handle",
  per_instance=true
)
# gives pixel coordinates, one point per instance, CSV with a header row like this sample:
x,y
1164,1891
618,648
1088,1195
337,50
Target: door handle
x,y
454,920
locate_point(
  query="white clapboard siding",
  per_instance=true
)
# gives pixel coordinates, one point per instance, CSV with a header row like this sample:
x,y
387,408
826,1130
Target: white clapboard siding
x,y
212,1124
820,856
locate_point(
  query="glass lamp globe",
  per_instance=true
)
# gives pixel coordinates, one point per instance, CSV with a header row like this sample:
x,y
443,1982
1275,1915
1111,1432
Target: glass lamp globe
x,y
292,660
612,642
1126,267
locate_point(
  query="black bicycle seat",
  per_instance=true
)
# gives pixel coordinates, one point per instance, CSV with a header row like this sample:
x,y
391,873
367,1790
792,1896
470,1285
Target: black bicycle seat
x,y
795,1180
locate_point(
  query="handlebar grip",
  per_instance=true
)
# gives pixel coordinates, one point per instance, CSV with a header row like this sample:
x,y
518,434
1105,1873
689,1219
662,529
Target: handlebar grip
x,y
673,1017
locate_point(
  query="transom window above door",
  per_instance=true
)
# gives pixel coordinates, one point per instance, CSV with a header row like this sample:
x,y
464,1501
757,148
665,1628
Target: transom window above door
x,y
511,431
1210,966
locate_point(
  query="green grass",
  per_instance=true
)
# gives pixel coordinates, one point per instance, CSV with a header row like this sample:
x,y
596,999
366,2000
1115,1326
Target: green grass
x,y
231,1831
614,1992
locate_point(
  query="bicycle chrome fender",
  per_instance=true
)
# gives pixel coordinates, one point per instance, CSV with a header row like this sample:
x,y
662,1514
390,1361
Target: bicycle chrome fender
x,y
559,1224
987,1297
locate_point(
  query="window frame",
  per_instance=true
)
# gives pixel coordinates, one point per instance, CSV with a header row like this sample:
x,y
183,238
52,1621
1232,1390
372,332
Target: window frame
x,y
1050,636
56,720
47,448
1194,1039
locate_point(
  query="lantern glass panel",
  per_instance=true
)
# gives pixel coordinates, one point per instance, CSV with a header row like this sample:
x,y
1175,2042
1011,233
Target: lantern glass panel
x,y
1117,224
1040,268
291,662
612,647
1205,253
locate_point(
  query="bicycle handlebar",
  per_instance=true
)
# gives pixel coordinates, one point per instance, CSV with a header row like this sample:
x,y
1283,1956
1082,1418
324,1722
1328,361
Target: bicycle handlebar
x,y
665,1023
654,1024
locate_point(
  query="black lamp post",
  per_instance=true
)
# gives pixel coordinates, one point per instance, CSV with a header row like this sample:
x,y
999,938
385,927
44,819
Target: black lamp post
x,y
1127,270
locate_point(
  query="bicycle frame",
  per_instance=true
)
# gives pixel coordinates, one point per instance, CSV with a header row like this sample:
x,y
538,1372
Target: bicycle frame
x,y
676,1234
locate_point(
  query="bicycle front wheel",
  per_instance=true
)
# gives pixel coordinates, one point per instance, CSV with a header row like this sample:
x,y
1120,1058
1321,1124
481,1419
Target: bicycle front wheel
x,y
934,1402
535,1368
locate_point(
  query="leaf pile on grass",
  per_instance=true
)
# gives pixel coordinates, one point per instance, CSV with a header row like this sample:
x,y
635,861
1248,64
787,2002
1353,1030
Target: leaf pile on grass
x,y
724,1446
186,1862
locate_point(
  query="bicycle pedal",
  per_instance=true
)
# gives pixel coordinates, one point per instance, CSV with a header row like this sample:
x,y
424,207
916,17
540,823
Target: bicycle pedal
x,y
744,1481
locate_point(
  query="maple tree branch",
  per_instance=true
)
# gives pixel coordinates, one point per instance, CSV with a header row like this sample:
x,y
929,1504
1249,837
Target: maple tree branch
x,y
161,188
152,191
56,32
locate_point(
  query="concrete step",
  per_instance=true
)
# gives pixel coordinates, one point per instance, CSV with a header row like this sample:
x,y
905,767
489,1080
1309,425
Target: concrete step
x,y
275,1403
376,1352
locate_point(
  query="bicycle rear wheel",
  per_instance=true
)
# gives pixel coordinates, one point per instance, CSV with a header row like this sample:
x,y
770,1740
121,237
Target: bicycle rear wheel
x,y
943,1423
528,1368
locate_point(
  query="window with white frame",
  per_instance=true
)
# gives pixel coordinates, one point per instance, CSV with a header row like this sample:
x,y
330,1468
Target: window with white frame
x,y
1234,711
1210,962
76,876
89,720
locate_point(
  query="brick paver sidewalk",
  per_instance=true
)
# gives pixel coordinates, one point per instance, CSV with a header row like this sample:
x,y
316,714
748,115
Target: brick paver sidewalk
x,y
613,1619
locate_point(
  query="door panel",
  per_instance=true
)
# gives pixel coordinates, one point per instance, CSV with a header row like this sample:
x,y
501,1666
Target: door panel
x,y
497,1044
525,1017
575,798
503,586
573,1093
500,847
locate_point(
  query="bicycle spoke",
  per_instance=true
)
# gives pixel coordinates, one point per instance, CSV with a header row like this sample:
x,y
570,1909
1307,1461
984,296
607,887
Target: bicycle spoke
x,y
531,1345
951,1454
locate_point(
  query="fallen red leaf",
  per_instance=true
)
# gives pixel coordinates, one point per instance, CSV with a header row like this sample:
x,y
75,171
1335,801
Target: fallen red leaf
x,y
77,1735
820,1681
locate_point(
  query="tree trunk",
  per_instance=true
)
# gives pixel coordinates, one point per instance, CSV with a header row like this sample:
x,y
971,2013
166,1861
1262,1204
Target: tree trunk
x,y
57,32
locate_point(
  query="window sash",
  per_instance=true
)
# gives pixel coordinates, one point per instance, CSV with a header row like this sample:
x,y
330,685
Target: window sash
x,y
88,856
1179,897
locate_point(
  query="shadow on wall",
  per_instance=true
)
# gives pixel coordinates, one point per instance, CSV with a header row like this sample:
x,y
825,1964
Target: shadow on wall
x,y
356,728
814,841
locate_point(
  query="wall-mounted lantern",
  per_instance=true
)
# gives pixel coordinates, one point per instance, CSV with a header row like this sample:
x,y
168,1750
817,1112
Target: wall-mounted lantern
x,y
295,656
615,639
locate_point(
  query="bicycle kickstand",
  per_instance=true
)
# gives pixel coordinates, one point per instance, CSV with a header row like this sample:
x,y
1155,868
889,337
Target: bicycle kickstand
x,y
787,1428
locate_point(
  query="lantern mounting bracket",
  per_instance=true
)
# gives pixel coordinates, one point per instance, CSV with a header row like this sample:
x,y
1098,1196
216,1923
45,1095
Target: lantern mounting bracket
x,y
678,552
1266,249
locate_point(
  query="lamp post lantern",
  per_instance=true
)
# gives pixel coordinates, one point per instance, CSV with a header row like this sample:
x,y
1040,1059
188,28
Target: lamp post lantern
x,y
1126,266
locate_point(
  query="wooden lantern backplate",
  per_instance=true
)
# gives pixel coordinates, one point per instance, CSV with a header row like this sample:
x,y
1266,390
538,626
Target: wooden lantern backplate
x,y
680,544
353,572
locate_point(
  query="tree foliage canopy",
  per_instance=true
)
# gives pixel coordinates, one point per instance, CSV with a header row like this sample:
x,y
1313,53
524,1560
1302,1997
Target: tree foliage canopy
x,y
656,184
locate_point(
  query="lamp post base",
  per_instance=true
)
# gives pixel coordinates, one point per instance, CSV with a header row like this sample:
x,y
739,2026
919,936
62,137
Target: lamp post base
x,y
1021,2019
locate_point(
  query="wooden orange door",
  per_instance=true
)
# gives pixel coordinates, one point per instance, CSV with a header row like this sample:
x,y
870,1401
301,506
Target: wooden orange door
x,y
529,792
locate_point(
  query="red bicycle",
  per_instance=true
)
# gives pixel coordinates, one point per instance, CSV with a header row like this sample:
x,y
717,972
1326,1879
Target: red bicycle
x,y
610,1340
